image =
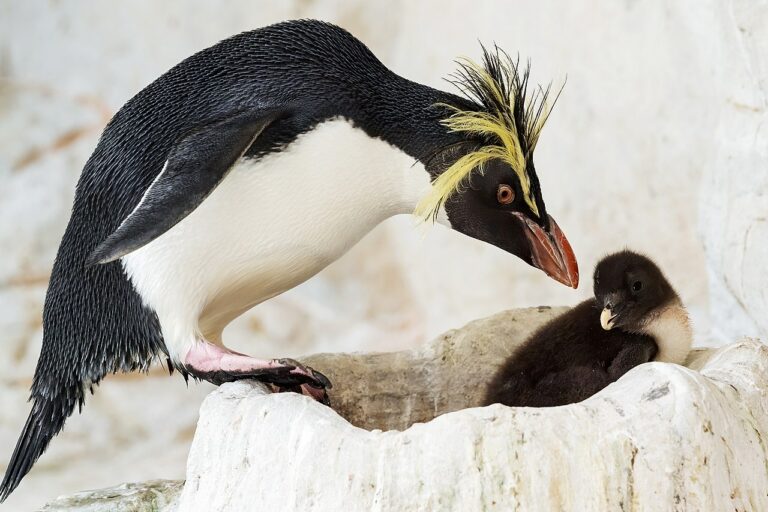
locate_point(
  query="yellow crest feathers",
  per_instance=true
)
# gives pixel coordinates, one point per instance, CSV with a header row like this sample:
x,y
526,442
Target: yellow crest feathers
x,y
505,125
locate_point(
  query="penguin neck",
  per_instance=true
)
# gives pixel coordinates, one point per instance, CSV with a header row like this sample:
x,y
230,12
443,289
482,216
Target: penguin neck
x,y
406,114
369,175
671,329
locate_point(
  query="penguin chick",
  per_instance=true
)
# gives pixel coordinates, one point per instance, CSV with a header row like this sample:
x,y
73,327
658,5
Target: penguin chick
x,y
635,317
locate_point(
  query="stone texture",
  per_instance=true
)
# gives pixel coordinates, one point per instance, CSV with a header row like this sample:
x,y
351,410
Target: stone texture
x,y
152,496
734,219
392,391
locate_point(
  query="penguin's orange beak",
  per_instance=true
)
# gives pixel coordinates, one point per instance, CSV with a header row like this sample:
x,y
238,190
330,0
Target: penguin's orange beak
x,y
550,251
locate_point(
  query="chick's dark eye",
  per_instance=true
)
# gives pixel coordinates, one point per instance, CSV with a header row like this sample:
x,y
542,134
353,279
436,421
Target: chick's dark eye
x,y
505,194
637,286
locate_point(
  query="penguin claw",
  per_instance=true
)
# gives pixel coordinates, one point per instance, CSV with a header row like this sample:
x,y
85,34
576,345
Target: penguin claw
x,y
282,376
321,397
217,364
317,394
319,381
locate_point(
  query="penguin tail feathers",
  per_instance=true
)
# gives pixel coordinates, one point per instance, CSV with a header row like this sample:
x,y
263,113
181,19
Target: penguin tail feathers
x,y
94,324
46,419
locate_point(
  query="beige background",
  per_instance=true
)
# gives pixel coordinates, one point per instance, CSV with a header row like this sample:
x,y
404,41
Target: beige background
x,y
662,113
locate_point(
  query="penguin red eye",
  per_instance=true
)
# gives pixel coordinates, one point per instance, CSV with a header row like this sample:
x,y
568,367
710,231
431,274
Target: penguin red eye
x,y
505,194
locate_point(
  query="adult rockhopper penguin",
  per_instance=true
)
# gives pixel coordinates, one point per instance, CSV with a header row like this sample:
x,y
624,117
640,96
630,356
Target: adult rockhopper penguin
x,y
248,168
635,317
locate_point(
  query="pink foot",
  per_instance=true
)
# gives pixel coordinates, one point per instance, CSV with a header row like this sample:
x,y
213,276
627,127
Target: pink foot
x,y
218,364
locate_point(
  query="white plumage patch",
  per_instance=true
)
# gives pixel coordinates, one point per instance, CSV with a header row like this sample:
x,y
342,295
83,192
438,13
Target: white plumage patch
x,y
671,330
270,225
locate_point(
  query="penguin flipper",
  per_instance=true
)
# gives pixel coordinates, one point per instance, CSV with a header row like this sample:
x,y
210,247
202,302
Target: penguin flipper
x,y
194,168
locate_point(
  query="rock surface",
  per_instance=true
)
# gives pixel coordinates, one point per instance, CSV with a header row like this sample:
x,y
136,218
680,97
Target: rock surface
x,y
663,437
734,218
151,496
393,390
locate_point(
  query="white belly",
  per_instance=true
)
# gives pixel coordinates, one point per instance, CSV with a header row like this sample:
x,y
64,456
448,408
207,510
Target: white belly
x,y
270,225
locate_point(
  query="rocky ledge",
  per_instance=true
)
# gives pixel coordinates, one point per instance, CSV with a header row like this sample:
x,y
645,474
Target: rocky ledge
x,y
407,435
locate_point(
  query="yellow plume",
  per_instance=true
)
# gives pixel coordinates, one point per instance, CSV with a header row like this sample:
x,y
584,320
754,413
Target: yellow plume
x,y
505,115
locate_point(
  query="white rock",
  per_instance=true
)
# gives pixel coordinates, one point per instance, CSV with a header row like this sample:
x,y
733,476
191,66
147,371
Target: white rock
x,y
663,437
151,496
734,212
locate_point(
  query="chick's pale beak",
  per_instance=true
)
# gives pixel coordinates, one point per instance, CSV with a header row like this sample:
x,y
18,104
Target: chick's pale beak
x,y
550,251
606,319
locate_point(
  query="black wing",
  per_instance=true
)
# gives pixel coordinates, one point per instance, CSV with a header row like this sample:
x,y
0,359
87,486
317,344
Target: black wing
x,y
194,168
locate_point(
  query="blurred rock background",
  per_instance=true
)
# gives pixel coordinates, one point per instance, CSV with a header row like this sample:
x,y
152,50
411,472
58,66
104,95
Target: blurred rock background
x,y
658,143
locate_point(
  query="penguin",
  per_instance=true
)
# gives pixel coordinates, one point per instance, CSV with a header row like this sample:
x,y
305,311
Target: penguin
x,y
248,168
634,317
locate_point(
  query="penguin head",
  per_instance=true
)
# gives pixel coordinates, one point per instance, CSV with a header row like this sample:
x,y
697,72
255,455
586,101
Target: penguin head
x,y
491,208
487,182
631,289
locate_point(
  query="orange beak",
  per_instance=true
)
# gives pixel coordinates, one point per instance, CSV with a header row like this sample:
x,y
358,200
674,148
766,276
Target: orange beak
x,y
550,251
